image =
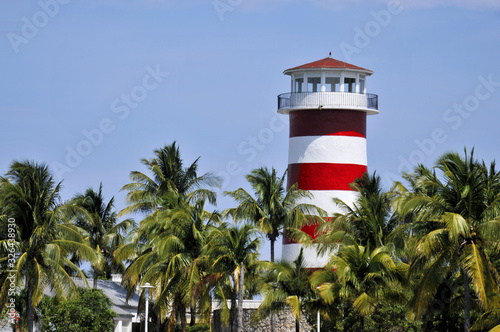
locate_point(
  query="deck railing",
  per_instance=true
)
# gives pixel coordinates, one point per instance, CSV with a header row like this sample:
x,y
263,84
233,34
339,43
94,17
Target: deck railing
x,y
297,100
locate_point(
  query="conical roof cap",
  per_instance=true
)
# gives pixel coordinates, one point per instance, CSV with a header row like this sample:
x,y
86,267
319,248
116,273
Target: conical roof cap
x,y
328,63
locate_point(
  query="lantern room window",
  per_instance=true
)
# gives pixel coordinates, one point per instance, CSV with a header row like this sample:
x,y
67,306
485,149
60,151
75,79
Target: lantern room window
x,y
349,84
314,84
332,84
298,84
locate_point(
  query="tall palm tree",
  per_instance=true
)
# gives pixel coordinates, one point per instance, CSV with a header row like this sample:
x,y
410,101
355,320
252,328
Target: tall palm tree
x,y
362,277
232,251
454,213
168,174
100,223
44,238
272,209
286,284
170,187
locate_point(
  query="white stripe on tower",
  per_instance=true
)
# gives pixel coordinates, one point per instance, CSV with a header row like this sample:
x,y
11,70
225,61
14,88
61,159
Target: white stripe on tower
x,y
327,149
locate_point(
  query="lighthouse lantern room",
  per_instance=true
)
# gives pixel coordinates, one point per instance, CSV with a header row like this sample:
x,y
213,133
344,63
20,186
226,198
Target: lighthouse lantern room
x,y
327,106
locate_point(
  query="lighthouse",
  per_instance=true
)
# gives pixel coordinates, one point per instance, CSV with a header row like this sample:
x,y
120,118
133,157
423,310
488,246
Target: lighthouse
x,y
327,107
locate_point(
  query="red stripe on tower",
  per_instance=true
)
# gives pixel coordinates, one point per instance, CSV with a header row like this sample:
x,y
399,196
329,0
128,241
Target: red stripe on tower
x,y
328,106
323,176
325,122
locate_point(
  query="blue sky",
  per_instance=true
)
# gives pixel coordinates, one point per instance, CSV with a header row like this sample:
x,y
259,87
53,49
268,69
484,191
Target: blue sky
x,y
91,87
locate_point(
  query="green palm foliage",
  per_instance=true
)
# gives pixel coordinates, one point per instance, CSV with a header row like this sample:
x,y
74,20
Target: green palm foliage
x,y
272,209
44,238
171,257
159,248
368,221
453,211
490,320
100,224
168,174
286,285
232,250
362,277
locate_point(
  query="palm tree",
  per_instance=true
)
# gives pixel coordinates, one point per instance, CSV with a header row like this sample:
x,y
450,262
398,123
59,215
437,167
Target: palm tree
x,y
171,243
232,251
172,256
286,285
368,221
362,277
167,198
273,209
454,214
100,223
168,174
44,238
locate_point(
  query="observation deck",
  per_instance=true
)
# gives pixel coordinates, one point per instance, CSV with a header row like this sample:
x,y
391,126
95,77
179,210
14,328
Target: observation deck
x,y
291,101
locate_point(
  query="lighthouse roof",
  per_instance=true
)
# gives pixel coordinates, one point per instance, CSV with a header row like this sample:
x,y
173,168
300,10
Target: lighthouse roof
x,y
328,63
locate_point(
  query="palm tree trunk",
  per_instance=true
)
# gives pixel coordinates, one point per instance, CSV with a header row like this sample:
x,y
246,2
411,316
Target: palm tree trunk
x,y
466,301
232,312
29,305
272,260
183,317
208,317
192,310
240,297
158,324
272,251
95,278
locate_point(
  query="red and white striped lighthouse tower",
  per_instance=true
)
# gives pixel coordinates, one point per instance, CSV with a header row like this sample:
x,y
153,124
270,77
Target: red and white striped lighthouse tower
x,y
327,106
